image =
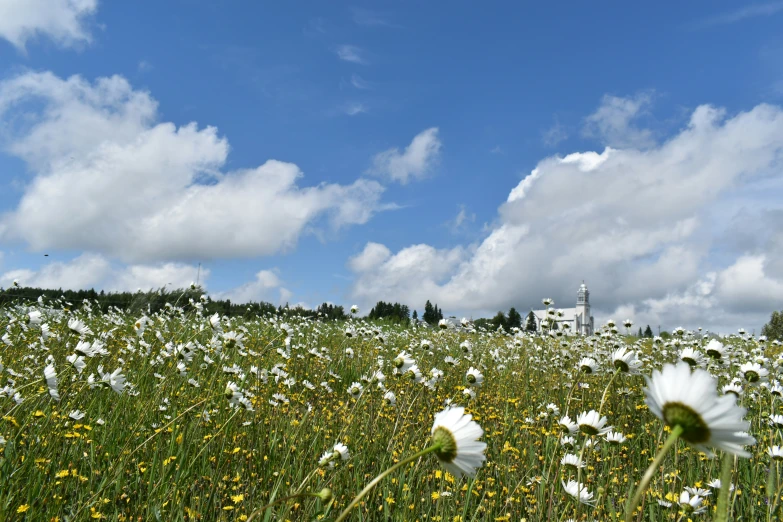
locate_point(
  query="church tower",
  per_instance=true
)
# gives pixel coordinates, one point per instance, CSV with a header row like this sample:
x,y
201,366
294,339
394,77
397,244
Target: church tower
x,y
583,319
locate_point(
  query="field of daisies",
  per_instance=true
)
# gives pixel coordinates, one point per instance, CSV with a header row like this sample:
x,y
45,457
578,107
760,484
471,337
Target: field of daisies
x,y
179,415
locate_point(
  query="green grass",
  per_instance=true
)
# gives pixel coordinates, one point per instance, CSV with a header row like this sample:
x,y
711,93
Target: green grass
x,y
145,463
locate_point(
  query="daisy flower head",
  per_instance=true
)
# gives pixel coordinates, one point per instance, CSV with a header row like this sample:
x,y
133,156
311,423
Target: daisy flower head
x,y
78,327
355,390
715,349
588,365
341,450
698,491
690,400
567,425
614,437
414,373
390,398
578,491
51,381
456,434
34,317
232,392
626,361
474,377
115,380
77,361
776,453
754,373
734,388
591,423
691,356
402,362
716,484
571,461
567,441
691,503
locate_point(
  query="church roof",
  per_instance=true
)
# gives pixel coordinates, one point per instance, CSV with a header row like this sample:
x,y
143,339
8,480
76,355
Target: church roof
x,y
569,314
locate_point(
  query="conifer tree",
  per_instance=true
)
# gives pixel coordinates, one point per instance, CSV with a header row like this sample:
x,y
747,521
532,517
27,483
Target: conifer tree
x,y
530,326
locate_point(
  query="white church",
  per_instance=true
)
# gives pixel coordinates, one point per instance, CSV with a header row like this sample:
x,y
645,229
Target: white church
x,y
579,320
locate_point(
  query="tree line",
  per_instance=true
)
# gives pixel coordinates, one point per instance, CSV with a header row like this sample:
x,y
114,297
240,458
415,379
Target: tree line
x,y
153,301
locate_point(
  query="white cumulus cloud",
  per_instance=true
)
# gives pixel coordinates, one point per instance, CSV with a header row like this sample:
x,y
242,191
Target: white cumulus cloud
x,y
96,271
415,161
61,20
266,286
638,225
108,177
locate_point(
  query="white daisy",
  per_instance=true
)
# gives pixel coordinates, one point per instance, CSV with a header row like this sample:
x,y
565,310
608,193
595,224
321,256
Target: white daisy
x,y
341,450
355,390
390,398
77,361
578,491
588,365
592,423
51,381
79,327
567,425
456,434
614,437
776,452
626,361
715,349
690,400
691,356
691,503
571,461
474,377
754,373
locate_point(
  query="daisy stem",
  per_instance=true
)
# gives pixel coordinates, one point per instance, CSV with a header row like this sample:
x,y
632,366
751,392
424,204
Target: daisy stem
x,y
609,385
725,486
380,477
648,475
279,501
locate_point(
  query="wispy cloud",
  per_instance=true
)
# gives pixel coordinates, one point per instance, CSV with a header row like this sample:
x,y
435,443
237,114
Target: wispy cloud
x,y
554,134
351,53
415,162
144,66
368,18
354,108
359,82
315,27
737,15
496,150
613,122
463,219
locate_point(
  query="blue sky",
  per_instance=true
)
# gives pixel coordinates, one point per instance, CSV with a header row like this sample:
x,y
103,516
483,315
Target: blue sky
x,y
349,152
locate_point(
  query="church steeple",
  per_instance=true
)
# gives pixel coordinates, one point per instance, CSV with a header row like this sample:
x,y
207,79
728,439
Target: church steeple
x,y
583,295
584,321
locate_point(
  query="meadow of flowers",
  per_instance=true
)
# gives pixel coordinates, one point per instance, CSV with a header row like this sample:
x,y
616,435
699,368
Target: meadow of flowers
x,y
179,415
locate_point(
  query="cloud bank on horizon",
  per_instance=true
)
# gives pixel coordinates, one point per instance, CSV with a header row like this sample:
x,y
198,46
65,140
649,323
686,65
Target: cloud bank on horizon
x,y
668,227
